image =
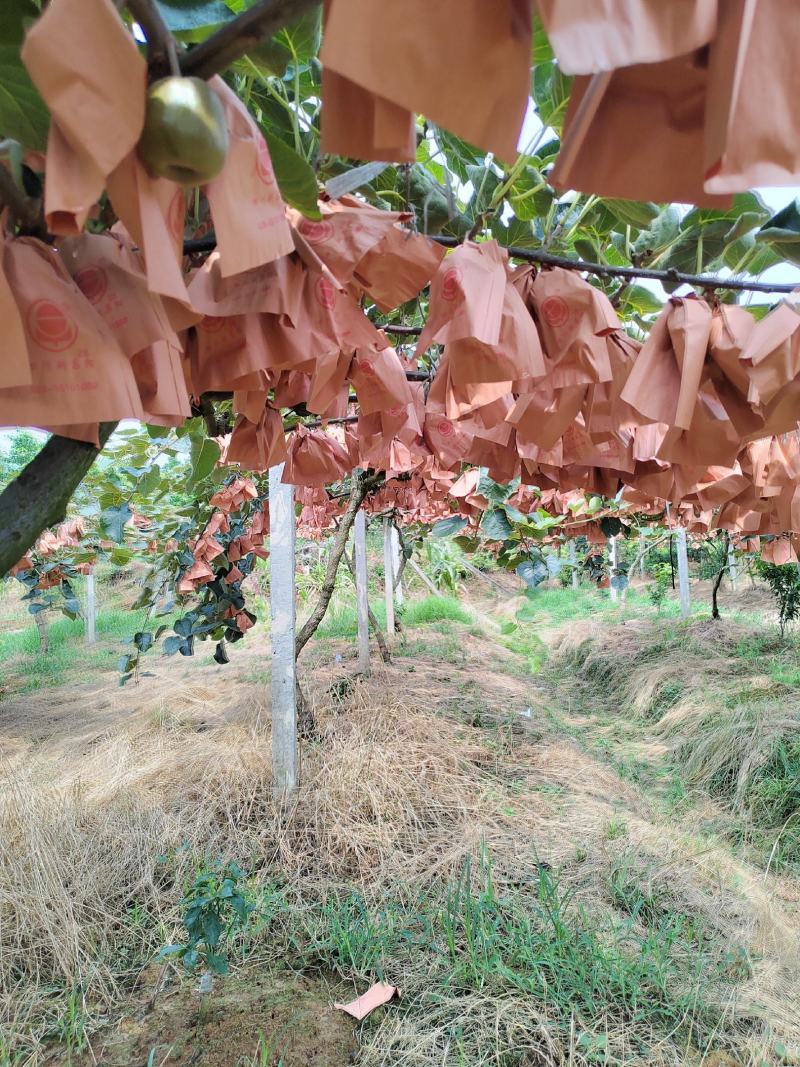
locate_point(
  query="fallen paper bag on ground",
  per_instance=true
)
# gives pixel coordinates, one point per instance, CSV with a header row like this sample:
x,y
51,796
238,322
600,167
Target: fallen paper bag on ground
x,y
360,1008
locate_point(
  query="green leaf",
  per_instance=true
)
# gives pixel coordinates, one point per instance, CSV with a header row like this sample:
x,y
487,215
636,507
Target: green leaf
x,y
120,556
662,231
143,640
632,213
533,572
205,454
495,525
550,89
171,645
296,178
530,195
217,964
484,183
641,300
611,526
785,225
495,492
302,38
112,522
448,527
23,114
182,15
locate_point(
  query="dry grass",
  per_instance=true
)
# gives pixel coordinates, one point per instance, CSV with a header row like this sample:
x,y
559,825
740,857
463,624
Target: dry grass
x,y
393,795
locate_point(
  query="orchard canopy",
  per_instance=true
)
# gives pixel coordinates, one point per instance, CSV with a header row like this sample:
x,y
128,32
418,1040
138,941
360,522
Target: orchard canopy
x,y
491,268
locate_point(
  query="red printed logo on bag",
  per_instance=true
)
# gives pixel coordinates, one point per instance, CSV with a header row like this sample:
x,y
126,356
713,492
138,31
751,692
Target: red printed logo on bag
x,y
555,311
264,163
50,326
176,215
451,283
396,412
92,282
316,232
365,366
325,292
445,428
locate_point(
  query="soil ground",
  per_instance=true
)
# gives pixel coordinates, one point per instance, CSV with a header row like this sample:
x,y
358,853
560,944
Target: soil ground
x,y
453,748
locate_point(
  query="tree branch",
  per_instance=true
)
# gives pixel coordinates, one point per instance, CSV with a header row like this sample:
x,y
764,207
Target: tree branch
x,y
38,496
548,259
242,35
404,556
674,277
162,55
360,485
720,574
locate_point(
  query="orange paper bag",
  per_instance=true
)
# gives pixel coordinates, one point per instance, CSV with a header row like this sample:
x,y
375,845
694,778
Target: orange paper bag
x,y
14,365
752,132
574,321
665,379
484,94
249,218
638,133
97,104
314,458
588,36
79,373
152,211
398,268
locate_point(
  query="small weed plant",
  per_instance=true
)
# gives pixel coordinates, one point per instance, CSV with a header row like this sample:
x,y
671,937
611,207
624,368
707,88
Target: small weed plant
x,y
214,908
784,583
657,592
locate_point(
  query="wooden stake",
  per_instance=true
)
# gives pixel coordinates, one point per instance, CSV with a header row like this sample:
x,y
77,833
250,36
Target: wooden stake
x,y
388,577
732,567
282,617
421,574
641,555
683,573
362,594
91,609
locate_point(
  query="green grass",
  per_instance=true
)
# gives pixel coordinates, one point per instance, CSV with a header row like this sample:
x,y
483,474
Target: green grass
x,y
341,620
464,946
20,655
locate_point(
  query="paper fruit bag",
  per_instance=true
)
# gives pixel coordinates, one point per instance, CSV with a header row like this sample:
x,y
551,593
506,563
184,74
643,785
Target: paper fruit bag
x,y
85,63
752,133
588,36
153,212
79,373
637,133
246,205
394,50
14,365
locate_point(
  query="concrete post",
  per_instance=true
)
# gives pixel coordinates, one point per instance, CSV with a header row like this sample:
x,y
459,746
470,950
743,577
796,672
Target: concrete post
x,y
362,599
613,556
573,559
683,572
388,576
398,593
91,609
282,617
